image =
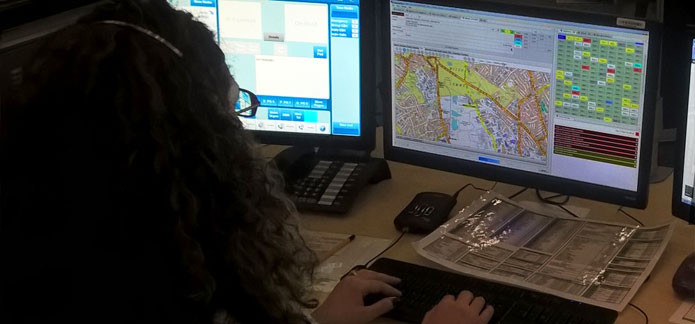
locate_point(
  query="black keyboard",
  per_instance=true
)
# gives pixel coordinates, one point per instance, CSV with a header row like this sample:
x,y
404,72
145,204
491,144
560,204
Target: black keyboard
x,y
424,287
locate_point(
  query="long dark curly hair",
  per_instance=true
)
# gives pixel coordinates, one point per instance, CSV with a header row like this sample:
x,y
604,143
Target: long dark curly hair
x,y
131,192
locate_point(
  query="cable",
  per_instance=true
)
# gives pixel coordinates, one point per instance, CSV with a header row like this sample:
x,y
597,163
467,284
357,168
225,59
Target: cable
x,y
456,194
518,193
646,318
387,248
493,186
555,196
628,215
568,211
549,200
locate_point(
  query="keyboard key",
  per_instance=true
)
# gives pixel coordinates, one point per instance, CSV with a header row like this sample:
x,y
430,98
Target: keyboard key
x,y
534,312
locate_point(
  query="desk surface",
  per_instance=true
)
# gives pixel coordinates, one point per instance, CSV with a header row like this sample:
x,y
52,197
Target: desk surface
x,y
377,206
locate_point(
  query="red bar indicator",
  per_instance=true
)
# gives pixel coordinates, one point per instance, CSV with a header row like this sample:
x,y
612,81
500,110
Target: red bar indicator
x,y
576,92
596,146
588,68
611,71
587,40
638,70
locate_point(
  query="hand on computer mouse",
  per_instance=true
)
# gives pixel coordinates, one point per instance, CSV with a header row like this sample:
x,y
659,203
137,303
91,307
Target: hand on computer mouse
x,y
345,304
464,309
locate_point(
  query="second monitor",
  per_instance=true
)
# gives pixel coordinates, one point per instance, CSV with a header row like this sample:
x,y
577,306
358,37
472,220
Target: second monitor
x,y
544,99
308,62
305,60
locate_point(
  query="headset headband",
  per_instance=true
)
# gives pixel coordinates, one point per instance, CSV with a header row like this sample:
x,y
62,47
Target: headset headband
x,y
146,32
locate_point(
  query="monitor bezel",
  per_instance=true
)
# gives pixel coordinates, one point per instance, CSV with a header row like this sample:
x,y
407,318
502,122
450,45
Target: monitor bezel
x,y
636,199
678,208
367,140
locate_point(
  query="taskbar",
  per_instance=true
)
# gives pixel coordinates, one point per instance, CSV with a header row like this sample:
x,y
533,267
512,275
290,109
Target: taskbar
x,y
286,126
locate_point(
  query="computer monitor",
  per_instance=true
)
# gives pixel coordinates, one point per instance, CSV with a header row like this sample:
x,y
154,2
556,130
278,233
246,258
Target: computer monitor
x,y
684,174
307,62
553,100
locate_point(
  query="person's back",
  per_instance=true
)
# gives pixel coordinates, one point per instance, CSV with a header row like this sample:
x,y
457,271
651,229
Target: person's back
x,y
130,193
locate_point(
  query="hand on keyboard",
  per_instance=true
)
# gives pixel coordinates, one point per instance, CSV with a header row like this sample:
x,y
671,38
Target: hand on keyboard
x,y
345,304
464,309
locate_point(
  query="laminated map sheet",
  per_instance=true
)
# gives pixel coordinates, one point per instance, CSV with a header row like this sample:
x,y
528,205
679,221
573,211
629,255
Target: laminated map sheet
x,y
598,263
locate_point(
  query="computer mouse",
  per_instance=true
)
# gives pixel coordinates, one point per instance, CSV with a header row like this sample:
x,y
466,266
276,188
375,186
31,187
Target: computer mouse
x,y
425,212
684,279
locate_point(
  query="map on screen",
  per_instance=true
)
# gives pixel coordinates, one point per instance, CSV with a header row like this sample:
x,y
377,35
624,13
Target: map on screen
x,y
479,105
552,97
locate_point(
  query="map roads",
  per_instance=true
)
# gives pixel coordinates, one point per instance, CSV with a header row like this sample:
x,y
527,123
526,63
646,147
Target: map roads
x,y
484,106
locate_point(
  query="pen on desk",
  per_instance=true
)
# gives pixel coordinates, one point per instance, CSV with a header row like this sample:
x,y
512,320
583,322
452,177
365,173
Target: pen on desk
x,y
337,248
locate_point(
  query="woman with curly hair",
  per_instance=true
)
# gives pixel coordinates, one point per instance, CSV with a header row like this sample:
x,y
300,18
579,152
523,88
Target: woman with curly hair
x,y
131,193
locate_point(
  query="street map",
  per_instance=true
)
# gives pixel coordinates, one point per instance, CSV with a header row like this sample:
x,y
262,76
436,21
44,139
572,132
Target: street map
x,y
466,103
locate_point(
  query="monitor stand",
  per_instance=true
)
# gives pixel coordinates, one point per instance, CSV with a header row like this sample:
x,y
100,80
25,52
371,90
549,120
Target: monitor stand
x,y
328,180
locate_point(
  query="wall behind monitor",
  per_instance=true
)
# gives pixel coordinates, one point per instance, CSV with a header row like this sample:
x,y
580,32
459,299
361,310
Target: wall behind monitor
x,y
21,35
14,13
642,9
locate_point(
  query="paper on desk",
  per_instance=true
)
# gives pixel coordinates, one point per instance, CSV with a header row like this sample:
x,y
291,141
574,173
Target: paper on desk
x,y
598,263
328,273
684,315
322,243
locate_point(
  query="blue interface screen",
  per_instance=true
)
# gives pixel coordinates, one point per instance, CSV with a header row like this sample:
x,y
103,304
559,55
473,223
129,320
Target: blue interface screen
x,y
301,58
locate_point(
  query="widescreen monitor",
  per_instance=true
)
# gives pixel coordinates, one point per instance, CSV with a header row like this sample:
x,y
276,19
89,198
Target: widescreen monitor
x,y
546,99
306,62
684,175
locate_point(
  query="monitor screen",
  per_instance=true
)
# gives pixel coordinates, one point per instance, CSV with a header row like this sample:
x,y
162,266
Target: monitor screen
x,y
301,58
543,96
688,175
